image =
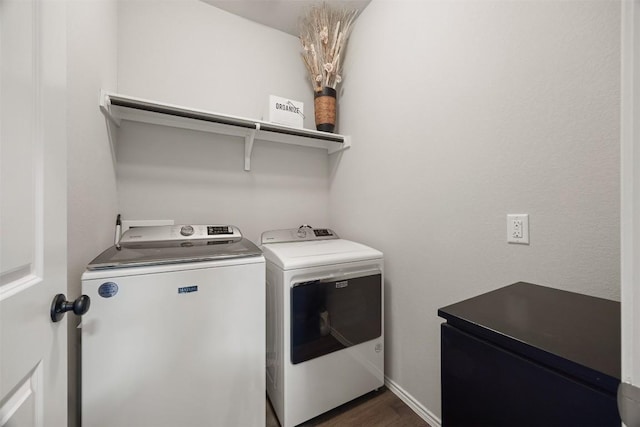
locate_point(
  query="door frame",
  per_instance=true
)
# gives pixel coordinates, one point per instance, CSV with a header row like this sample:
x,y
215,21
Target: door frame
x,y
630,192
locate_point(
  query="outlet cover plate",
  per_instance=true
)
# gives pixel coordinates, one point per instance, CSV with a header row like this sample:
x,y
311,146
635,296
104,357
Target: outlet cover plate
x,y
518,228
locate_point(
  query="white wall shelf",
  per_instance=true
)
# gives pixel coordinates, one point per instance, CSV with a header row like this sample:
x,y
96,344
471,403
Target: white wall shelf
x,y
120,107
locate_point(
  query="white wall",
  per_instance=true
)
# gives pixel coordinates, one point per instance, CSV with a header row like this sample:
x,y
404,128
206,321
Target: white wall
x,y
460,113
92,198
191,54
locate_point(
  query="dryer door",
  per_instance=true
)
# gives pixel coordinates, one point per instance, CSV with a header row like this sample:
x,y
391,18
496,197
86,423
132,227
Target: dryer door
x,y
329,315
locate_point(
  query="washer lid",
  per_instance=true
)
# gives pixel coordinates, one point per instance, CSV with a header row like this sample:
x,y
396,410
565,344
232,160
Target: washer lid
x,y
173,252
293,255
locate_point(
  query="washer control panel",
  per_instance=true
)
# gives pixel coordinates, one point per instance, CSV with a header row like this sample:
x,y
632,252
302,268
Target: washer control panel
x,y
180,232
216,230
300,234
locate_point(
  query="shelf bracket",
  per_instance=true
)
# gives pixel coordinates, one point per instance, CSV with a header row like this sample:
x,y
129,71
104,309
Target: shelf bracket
x,y
112,123
105,107
248,146
344,146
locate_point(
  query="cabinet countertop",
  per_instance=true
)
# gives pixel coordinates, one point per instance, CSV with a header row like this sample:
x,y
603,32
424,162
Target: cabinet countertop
x,y
567,331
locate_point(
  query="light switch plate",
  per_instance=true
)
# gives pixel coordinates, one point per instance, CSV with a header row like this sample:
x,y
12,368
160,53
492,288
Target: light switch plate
x,y
518,228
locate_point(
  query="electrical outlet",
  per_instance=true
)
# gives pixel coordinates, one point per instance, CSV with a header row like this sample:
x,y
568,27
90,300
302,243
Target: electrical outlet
x,y
518,228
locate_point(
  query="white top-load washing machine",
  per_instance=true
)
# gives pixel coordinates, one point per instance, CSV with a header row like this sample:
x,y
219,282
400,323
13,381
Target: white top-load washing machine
x,y
325,324
176,331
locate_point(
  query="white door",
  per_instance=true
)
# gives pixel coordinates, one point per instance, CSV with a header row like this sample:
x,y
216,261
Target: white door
x,y
33,349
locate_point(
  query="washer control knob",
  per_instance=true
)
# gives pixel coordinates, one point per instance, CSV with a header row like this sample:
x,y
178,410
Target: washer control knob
x,y
302,230
186,230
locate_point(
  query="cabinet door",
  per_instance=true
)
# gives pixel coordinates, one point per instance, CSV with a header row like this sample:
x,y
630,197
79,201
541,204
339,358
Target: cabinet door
x,y
485,385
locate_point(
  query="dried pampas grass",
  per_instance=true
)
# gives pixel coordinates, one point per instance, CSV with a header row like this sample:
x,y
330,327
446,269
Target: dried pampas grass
x,y
324,32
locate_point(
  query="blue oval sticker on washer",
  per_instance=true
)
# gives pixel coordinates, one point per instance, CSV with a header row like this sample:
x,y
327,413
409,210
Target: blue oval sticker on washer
x,y
108,289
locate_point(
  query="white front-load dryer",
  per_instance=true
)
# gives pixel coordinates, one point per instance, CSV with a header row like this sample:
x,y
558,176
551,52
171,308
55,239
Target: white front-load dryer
x,y
325,322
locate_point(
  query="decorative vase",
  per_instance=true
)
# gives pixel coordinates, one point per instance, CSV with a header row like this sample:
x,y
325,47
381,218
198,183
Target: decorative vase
x,y
325,109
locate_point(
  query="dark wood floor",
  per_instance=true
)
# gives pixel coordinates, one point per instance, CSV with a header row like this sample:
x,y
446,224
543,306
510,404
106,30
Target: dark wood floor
x,y
376,409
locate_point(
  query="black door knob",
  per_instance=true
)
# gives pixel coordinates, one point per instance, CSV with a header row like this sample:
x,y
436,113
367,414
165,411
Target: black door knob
x,y
60,306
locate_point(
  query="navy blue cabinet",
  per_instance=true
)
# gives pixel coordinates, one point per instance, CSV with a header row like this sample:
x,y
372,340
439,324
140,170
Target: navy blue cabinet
x,y
528,355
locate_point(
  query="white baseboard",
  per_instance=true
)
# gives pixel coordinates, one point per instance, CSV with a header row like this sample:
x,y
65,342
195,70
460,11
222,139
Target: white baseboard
x,y
411,402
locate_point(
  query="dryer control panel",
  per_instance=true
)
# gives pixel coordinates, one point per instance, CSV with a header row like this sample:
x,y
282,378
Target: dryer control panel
x,y
300,234
180,232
